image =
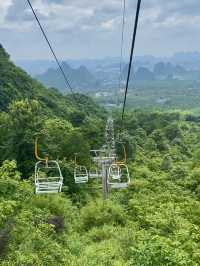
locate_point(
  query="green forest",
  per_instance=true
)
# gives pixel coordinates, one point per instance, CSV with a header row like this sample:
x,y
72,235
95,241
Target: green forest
x,y
154,222
163,95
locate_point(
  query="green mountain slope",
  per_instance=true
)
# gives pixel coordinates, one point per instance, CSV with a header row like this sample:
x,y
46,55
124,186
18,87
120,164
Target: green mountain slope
x,y
28,108
15,84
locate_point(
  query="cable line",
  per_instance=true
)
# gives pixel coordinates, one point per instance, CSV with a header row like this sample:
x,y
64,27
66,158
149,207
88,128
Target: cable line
x,y
122,45
51,48
131,56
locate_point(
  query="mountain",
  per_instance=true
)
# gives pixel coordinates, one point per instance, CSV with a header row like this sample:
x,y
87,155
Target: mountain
x,y
141,74
189,60
80,78
16,84
161,71
38,67
144,73
90,75
165,70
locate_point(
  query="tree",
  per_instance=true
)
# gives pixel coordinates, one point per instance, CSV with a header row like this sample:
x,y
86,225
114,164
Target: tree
x,y
25,122
55,137
166,163
173,131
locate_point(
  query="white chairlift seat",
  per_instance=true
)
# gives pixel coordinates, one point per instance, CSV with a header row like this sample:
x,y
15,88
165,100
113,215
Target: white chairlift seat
x,y
81,174
94,173
48,177
101,155
115,172
119,185
118,176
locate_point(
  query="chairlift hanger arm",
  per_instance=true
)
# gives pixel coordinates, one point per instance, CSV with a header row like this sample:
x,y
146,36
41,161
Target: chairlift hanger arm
x,y
75,159
125,156
37,154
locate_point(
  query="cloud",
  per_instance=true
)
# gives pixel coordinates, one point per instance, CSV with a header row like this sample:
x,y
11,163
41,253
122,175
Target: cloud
x,y
60,15
55,15
108,25
68,14
172,9
84,28
4,7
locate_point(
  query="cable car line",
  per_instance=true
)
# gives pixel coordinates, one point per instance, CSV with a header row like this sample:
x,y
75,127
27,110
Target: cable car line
x,y
51,48
121,49
115,174
131,56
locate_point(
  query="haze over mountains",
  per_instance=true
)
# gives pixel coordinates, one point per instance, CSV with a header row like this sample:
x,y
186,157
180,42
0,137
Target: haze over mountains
x,y
100,74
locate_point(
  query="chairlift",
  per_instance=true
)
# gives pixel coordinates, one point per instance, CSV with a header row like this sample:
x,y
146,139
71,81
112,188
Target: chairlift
x,y
94,173
48,175
80,173
98,153
118,174
115,171
101,155
45,181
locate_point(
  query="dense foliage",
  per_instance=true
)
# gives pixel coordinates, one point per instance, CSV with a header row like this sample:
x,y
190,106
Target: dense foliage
x,y
155,222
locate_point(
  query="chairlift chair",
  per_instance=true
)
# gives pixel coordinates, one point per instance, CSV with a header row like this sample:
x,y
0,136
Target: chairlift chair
x,y
118,176
94,173
48,175
80,174
46,181
115,171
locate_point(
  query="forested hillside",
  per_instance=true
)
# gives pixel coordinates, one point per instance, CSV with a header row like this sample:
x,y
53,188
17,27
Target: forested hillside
x,y
29,109
154,222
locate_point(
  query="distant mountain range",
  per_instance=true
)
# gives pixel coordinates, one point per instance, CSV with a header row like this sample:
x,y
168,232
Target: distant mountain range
x,y
190,60
94,74
160,71
80,78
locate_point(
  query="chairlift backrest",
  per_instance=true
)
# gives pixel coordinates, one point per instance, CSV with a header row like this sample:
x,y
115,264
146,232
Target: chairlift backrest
x,y
80,174
94,173
48,177
115,171
118,176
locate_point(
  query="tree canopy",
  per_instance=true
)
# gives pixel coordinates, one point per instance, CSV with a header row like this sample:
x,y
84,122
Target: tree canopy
x,y
154,222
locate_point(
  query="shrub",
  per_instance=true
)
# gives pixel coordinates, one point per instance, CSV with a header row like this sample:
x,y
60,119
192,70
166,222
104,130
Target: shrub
x,y
166,164
98,213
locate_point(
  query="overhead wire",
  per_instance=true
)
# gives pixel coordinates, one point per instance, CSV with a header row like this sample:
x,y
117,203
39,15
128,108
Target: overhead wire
x,y
121,49
122,43
131,56
51,48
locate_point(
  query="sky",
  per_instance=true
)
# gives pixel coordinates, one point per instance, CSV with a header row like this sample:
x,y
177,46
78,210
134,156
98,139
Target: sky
x,y
92,28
